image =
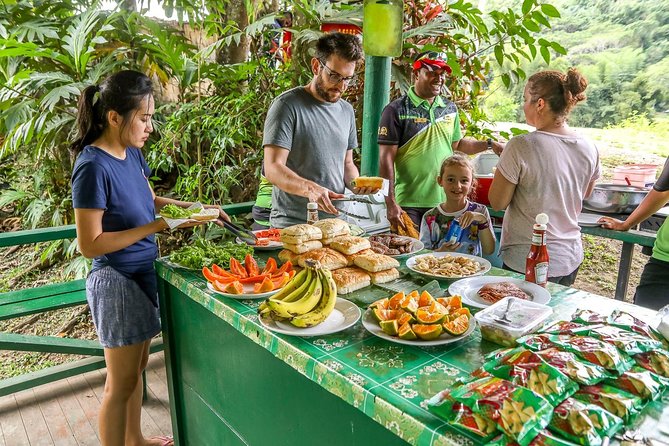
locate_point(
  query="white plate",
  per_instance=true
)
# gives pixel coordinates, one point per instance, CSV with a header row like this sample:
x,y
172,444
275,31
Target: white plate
x,y
589,220
344,315
485,265
416,246
469,288
373,327
272,246
248,292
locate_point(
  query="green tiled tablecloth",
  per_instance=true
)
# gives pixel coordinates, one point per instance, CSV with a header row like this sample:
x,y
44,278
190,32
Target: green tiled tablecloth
x,y
391,382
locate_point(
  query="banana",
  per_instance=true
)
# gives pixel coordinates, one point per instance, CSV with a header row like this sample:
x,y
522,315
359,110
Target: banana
x,y
304,304
300,278
324,307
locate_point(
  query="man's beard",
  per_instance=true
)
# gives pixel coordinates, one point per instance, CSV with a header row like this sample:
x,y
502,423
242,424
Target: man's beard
x,y
324,93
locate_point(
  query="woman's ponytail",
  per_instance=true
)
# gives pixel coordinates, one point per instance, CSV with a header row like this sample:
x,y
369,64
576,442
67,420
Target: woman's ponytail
x,y
89,123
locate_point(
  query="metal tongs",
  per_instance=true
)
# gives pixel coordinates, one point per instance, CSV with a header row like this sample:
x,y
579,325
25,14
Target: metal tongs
x,y
244,235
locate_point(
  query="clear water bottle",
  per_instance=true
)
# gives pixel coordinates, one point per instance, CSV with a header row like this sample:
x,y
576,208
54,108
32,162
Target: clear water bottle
x,y
312,213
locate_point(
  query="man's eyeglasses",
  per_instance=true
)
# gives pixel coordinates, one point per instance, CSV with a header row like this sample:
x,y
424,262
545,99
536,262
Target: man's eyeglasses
x,y
335,77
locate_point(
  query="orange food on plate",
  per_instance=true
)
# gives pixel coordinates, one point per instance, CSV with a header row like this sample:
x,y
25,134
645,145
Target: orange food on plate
x,y
262,241
264,287
234,288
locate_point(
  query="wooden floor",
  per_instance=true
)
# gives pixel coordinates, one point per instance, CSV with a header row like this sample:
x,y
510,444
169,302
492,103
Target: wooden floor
x,y
65,412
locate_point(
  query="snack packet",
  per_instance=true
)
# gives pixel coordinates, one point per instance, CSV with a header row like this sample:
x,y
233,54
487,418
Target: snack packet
x,y
536,342
518,412
544,438
589,317
595,351
461,416
628,322
640,382
626,341
656,361
526,369
566,327
616,401
582,372
583,423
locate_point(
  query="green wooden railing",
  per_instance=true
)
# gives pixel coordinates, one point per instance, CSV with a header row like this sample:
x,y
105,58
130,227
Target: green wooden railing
x,y
24,302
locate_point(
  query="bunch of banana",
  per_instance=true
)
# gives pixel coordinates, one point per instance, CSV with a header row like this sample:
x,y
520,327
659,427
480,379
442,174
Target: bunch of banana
x,y
305,301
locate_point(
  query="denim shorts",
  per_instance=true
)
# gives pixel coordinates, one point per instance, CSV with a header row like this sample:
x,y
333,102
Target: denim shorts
x,y
121,311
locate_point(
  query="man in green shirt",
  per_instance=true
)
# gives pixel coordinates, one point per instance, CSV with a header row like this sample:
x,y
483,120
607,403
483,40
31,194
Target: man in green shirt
x,y
416,133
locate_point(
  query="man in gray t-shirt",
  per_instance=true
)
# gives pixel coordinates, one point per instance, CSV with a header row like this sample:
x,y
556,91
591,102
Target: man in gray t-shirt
x,y
310,135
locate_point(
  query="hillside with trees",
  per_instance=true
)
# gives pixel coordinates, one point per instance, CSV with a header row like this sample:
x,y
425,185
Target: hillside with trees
x,y
621,46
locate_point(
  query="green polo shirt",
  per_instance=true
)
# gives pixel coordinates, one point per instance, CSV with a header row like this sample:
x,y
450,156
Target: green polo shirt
x,y
423,133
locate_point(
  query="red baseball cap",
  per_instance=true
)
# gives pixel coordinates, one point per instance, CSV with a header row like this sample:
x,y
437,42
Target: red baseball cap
x,y
431,60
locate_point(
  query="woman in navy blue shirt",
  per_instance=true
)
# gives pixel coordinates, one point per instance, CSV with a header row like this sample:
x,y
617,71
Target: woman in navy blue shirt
x,y
115,208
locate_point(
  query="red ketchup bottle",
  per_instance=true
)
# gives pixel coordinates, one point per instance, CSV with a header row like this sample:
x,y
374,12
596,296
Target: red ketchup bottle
x,y
536,264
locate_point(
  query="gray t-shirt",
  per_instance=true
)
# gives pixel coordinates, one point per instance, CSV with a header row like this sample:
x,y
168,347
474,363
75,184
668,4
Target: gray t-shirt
x,y
317,134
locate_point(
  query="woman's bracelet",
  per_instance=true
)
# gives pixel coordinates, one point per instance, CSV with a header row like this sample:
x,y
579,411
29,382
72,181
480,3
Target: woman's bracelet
x,y
483,225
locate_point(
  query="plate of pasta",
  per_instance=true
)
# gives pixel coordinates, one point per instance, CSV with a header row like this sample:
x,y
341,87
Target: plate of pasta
x,y
448,265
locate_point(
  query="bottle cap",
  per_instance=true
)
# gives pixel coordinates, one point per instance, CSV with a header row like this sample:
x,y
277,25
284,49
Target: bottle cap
x,y
312,205
541,221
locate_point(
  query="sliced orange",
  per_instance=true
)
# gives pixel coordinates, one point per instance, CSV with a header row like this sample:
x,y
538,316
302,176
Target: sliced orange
x,y
425,299
457,326
395,301
427,332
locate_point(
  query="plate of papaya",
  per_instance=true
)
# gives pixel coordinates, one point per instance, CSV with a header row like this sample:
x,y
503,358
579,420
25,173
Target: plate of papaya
x,y
247,280
419,319
267,240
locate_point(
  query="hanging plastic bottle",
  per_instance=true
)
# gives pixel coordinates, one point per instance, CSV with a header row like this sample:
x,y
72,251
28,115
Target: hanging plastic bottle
x,y
382,27
536,264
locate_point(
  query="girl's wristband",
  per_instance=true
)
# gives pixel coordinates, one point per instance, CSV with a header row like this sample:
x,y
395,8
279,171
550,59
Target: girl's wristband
x,y
483,225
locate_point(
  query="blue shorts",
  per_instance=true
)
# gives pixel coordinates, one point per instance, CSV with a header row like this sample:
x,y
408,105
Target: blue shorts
x,y
121,311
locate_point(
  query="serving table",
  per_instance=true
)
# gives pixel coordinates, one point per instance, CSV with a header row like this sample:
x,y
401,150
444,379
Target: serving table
x,y
232,382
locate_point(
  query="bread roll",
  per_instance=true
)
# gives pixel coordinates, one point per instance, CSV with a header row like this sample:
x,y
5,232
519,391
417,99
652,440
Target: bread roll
x,y
333,227
300,233
206,214
373,182
303,247
350,279
375,262
285,255
384,276
328,258
351,257
350,244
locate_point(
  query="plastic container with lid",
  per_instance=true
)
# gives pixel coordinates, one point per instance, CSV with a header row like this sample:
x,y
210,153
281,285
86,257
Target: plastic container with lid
x,y
525,317
641,175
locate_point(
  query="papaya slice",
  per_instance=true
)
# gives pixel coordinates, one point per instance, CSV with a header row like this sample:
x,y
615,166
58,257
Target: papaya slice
x,y
279,282
211,276
405,332
265,286
251,266
427,332
425,316
234,288
270,266
457,326
237,268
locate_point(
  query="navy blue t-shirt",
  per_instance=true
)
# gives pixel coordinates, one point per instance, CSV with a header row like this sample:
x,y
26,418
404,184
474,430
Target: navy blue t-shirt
x,y
120,188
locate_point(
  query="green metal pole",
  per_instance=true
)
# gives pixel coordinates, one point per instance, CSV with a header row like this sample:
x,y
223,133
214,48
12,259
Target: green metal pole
x,y
376,95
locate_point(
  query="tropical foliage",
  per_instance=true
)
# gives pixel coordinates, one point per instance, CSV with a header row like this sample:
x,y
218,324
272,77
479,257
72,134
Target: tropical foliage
x,y
212,96
622,49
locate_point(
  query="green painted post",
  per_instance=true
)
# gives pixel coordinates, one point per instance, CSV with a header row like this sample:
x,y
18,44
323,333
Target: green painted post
x,y
377,93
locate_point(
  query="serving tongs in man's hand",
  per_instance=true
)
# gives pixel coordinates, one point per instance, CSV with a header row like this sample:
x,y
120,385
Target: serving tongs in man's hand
x,y
244,235
357,199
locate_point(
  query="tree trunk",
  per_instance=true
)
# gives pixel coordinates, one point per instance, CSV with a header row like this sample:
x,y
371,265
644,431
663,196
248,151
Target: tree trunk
x,y
236,53
128,5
